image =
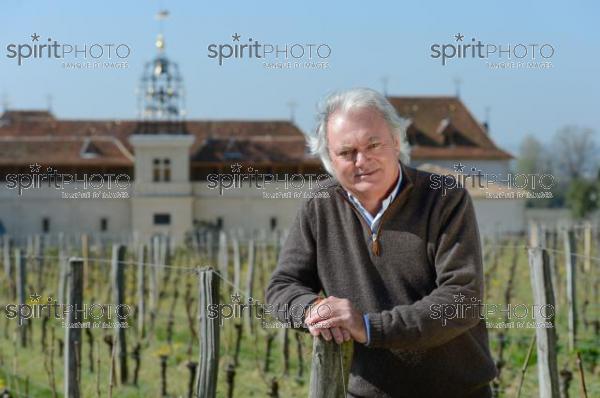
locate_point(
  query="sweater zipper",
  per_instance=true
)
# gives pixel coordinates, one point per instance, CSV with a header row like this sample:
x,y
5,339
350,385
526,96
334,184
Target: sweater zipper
x,y
375,245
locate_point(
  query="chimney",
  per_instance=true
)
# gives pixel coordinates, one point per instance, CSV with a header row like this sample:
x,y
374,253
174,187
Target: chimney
x,y
486,123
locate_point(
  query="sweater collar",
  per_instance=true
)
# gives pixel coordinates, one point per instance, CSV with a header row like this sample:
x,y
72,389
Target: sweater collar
x,y
407,178
384,203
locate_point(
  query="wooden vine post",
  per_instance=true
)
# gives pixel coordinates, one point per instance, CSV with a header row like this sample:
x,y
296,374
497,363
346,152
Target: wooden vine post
x,y
543,297
208,334
72,354
330,368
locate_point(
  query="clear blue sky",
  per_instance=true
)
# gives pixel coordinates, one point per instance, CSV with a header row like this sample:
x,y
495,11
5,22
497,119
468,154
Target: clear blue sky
x,y
369,40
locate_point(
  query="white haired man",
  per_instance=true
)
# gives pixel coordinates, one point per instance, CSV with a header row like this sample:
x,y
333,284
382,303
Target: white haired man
x,y
392,254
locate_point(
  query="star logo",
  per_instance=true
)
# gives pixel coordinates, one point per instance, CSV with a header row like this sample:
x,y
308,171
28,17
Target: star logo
x,y
459,167
236,298
459,37
35,168
35,297
35,37
236,167
235,37
459,298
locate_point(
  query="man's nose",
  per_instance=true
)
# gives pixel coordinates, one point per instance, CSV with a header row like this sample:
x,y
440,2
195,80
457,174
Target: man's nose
x,y
361,159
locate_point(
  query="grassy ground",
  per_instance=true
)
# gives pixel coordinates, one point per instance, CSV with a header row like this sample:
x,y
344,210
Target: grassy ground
x,y
24,368
519,339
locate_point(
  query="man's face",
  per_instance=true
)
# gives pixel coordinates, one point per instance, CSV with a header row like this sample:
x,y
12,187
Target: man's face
x,y
363,152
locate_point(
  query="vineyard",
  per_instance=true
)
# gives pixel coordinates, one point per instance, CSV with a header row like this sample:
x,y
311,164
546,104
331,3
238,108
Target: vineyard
x,y
147,327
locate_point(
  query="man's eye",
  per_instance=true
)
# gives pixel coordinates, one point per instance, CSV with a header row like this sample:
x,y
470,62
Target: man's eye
x,y
375,145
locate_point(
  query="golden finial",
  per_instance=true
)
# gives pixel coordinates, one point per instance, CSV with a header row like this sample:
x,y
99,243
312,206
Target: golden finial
x,y
160,42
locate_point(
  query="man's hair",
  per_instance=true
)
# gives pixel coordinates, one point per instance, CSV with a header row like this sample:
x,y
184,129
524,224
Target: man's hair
x,y
356,98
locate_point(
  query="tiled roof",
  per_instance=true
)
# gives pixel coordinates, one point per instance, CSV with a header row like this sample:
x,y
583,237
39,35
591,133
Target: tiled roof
x,y
65,151
441,128
25,116
19,123
258,149
438,122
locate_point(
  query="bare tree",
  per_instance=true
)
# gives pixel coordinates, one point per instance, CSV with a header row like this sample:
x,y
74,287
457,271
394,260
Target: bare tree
x,y
533,156
575,150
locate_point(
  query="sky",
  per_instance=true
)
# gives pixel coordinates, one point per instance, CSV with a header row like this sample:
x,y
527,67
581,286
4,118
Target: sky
x,y
369,42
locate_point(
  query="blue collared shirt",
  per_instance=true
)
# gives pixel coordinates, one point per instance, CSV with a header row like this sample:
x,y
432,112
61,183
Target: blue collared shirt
x,y
374,222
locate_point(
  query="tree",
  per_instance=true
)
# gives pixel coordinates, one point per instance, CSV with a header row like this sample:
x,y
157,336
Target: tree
x,y
575,150
533,157
583,197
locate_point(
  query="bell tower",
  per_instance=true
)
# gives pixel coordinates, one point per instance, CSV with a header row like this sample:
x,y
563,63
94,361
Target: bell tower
x,y
162,199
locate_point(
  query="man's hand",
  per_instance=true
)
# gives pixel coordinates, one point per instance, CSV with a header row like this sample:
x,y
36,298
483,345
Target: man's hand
x,y
338,334
337,317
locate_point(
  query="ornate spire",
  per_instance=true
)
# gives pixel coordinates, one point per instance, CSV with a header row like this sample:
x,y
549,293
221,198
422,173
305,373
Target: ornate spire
x,y
161,91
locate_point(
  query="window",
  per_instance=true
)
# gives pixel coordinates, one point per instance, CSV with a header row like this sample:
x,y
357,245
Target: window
x,y
104,224
162,219
45,224
156,170
166,170
161,170
273,223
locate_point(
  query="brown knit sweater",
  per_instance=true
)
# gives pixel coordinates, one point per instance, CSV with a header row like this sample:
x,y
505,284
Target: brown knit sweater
x,y
425,254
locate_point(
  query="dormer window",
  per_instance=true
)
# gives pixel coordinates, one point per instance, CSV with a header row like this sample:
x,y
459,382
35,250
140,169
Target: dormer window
x,y
89,150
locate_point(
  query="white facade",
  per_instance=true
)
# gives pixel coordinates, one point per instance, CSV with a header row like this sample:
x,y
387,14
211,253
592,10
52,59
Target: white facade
x,y
247,208
499,215
162,199
63,211
51,210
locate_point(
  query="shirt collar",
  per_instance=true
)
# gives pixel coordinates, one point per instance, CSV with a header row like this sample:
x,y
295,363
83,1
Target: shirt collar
x,y
386,201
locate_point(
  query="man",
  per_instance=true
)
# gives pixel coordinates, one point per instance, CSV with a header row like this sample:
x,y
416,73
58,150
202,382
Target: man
x,y
395,258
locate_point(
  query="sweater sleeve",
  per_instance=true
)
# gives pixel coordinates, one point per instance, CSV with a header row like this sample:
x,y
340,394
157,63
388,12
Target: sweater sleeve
x,y
432,321
294,284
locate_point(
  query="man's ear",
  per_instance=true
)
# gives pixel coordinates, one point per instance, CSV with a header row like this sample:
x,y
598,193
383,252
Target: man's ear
x,y
396,143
